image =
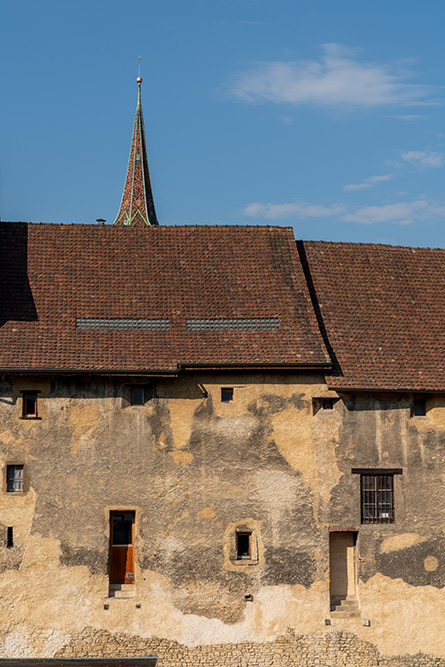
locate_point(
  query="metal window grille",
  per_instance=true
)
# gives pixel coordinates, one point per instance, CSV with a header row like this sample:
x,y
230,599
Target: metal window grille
x,y
14,476
234,324
377,498
122,324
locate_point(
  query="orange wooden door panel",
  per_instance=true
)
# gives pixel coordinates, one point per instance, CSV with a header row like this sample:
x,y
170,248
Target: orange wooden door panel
x,y
121,547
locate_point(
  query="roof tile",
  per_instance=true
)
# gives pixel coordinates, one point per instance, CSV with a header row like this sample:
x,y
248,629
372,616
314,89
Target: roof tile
x,y
383,311
54,274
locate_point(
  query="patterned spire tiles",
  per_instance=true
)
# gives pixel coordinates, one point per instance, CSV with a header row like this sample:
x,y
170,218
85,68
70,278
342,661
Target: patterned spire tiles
x,y
137,207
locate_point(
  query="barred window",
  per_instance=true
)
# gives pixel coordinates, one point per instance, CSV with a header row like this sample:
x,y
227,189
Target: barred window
x,y
377,498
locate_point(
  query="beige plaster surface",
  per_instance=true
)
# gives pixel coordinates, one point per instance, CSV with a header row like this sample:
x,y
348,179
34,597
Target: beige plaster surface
x,y
400,541
194,469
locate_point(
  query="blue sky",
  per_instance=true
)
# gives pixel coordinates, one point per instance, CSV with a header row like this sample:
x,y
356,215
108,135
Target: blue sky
x,y
325,116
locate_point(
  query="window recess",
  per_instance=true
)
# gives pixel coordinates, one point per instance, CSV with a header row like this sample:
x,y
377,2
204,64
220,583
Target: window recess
x,y
243,546
14,478
137,395
418,408
226,394
29,404
377,495
324,404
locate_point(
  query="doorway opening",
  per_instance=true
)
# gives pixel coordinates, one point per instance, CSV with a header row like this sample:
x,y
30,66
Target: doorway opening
x,y
121,566
343,572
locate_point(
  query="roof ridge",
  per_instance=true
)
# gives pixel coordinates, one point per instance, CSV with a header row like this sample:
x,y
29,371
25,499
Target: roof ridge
x,y
88,225
369,244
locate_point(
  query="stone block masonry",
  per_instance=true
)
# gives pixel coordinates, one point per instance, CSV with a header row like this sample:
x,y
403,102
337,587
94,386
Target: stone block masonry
x,y
79,662
332,648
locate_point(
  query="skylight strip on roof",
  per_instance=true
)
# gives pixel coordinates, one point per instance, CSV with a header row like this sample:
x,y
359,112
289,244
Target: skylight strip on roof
x,y
234,324
121,324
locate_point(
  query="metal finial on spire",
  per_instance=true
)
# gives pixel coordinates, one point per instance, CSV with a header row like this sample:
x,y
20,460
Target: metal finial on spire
x,y
139,79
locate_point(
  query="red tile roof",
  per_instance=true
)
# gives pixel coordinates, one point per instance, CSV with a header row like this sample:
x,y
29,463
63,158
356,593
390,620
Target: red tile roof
x,y
383,309
54,274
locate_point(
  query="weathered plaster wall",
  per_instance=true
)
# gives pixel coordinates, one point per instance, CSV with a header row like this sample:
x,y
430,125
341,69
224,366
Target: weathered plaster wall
x,y
194,469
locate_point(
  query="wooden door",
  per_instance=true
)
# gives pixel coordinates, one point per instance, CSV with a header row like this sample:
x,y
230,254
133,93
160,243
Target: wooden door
x,y
121,547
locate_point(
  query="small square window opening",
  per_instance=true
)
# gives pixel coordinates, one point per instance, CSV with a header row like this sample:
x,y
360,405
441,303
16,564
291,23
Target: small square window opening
x,y
243,546
321,404
419,407
137,396
29,404
14,478
226,394
377,498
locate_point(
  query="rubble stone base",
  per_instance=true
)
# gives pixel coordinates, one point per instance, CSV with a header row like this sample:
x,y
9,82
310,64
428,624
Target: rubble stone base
x,y
335,648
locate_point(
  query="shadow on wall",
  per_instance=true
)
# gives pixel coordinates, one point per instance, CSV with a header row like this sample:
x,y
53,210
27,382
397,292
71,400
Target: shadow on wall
x,y
16,300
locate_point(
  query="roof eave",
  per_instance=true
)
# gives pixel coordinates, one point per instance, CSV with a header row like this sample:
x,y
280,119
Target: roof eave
x,y
384,390
168,372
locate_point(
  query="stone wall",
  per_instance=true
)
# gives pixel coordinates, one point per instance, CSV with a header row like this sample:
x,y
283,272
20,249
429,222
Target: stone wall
x,y
333,648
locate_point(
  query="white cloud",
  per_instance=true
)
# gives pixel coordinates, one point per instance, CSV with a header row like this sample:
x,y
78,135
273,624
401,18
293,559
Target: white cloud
x,y
399,213
410,116
297,210
423,159
368,182
357,186
380,179
337,78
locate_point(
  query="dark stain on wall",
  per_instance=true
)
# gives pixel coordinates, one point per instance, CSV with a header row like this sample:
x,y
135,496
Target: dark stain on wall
x,y
409,563
288,566
201,585
270,404
74,556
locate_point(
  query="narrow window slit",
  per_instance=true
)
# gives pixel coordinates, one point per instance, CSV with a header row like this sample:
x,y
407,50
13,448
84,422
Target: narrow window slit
x,y
29,404
243,546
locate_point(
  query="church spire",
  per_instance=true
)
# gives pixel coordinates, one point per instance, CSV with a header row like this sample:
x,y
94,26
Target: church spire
x,y
137,206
